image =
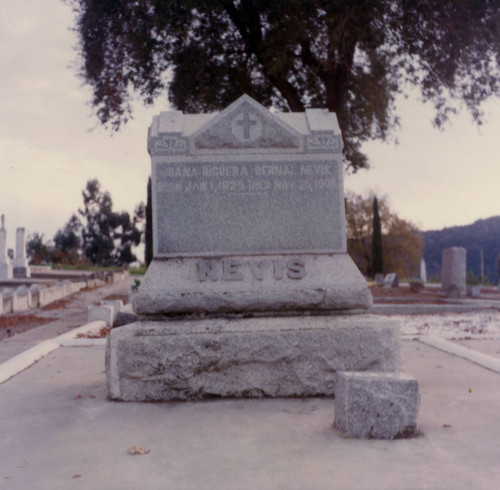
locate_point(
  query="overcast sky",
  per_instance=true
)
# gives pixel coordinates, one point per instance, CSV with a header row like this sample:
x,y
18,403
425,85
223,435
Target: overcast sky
x,y
51,144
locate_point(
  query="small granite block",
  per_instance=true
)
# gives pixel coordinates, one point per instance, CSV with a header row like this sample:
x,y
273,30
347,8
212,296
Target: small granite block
x,y
103,313
376,405
116,304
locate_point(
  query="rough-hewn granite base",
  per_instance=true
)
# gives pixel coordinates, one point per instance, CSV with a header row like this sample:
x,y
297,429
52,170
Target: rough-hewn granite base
x,y
376,405
258,357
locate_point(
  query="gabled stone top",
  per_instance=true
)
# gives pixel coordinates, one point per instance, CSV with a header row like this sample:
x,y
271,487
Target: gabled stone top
x,y
247,127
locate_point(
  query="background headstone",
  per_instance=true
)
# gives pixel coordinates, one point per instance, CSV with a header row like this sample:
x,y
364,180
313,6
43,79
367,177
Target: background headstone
x,y
391,280
453,272
21,267
422,271
5,263
379,279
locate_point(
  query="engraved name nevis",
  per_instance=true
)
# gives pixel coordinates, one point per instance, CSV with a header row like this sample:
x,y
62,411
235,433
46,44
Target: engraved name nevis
x,y
236,269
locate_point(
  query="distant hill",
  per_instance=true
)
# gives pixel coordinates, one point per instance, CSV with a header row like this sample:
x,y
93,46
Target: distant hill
x,y
483,234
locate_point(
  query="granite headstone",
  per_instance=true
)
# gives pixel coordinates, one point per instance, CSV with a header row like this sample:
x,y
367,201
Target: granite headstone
x,y
5,263
248,211
20,266
453,272
250,280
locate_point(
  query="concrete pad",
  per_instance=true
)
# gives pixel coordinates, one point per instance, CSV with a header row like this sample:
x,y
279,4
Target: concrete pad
x,y
490,347
63,433
28,357
479,358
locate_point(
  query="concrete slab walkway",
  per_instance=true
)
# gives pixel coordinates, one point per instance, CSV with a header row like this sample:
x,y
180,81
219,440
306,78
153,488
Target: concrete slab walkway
x,y
59,431
71,316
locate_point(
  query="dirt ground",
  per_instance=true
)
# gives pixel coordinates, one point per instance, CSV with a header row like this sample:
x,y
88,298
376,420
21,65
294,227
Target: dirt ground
x,y
403,295
12,324
17,323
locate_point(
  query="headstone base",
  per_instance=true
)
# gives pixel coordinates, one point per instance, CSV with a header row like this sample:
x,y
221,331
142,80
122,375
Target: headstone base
x,y
376,405
246,357
173,286
21,272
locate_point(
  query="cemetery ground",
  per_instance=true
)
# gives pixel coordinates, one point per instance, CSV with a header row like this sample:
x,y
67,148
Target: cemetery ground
x,y
60,431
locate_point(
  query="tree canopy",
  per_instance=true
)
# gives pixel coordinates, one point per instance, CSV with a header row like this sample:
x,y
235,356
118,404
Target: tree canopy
x,y
351,56
105,238
402,243
108,236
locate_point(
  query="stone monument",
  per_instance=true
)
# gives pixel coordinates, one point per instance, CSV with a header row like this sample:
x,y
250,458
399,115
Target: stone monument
x,y
453,272
5,263
21,267
422,270
251,292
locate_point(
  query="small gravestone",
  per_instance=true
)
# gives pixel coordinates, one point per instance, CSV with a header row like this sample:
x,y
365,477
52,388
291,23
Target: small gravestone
x,y
453,272
249,240
5,262
379,279
422,271
391,280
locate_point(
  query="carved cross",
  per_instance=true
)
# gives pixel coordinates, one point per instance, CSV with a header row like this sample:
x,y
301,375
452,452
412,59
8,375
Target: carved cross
x,y
246,123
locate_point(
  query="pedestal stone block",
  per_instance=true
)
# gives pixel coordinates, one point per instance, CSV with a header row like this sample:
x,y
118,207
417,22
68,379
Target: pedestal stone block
x,y
376,405
255,357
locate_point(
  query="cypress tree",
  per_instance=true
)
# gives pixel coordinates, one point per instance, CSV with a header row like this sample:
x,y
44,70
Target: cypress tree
x,y
148,254
377,261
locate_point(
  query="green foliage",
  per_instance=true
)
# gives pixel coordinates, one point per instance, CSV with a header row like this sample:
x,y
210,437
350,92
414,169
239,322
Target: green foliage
x,y
38,250
108,236
137,271
402,244
351,56
471,279
67,243
104,240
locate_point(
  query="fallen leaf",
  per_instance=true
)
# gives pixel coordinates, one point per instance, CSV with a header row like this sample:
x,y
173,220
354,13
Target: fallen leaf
x,y
138,450
77,397
77,476
91,396
446,426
